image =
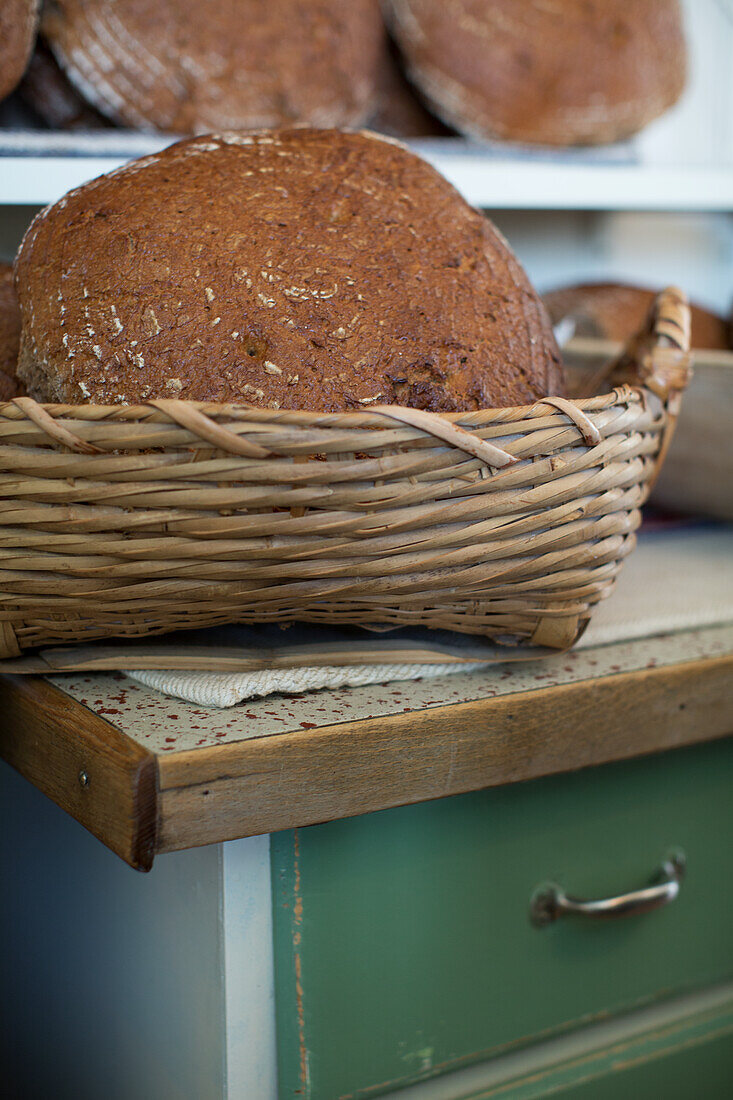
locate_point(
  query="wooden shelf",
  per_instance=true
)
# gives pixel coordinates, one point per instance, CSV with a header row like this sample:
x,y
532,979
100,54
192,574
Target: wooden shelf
x,y
125,762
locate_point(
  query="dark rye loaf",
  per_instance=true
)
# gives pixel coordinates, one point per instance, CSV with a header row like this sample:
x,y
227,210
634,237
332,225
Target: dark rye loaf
x,y
18,22
302,269
615,311
9,334
552,72
188,67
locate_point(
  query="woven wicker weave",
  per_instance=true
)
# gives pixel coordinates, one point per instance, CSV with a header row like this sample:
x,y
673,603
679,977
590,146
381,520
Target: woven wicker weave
x,y
510,523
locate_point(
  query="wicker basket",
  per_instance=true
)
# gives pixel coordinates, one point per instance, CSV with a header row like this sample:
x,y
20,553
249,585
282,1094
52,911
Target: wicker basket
x,y
510,523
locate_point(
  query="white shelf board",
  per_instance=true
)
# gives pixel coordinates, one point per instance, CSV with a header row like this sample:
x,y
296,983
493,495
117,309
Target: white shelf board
x,y
502,183
482,177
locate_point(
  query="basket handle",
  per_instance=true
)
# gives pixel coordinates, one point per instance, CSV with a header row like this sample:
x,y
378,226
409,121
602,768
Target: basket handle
x,y
658,356
656,359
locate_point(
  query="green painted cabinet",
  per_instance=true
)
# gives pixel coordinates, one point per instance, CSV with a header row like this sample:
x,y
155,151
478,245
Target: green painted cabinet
x,y
704,1070
403,944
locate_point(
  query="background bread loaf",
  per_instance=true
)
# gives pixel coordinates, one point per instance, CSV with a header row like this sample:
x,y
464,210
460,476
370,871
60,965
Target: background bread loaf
x,y
312,269
186,67
554,72
18,22
614,311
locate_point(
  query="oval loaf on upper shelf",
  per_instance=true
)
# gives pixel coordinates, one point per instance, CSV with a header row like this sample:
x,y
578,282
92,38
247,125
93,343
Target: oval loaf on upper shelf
x,y
187,67
18,23
301,269
552,73
615,311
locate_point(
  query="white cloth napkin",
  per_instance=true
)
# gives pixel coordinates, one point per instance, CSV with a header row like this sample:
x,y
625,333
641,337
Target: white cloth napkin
x,y
674,580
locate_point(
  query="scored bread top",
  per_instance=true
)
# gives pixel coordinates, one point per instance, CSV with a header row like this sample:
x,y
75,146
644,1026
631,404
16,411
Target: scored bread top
x,y
554,72
616,311
188,67
301,269
18,22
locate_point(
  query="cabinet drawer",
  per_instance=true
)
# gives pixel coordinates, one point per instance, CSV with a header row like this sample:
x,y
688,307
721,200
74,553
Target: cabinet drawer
x,y
702,1070
403,943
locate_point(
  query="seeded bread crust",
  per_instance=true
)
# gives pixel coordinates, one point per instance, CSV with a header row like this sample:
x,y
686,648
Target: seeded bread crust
x,y
9,335
551,72
18,25
302,269
177,66
615,311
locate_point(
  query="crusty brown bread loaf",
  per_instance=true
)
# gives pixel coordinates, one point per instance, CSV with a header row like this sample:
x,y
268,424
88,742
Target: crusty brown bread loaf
x,y
18,23
187,67
312,269
553,72
615,311
9,334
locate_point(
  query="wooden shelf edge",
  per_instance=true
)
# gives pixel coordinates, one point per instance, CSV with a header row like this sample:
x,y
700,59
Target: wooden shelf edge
x,y
294,779
139,803
92,770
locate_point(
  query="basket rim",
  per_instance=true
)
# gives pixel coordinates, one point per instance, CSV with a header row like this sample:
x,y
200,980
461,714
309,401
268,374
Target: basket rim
x,y
15,409
656,360
652,371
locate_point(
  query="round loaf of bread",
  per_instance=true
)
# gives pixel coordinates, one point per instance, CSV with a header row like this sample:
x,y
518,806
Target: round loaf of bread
x,y
181,66
9,334
566,72
615,311
18,22
299,269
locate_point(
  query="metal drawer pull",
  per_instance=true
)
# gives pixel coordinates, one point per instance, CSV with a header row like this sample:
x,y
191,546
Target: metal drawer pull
x,y
550,901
